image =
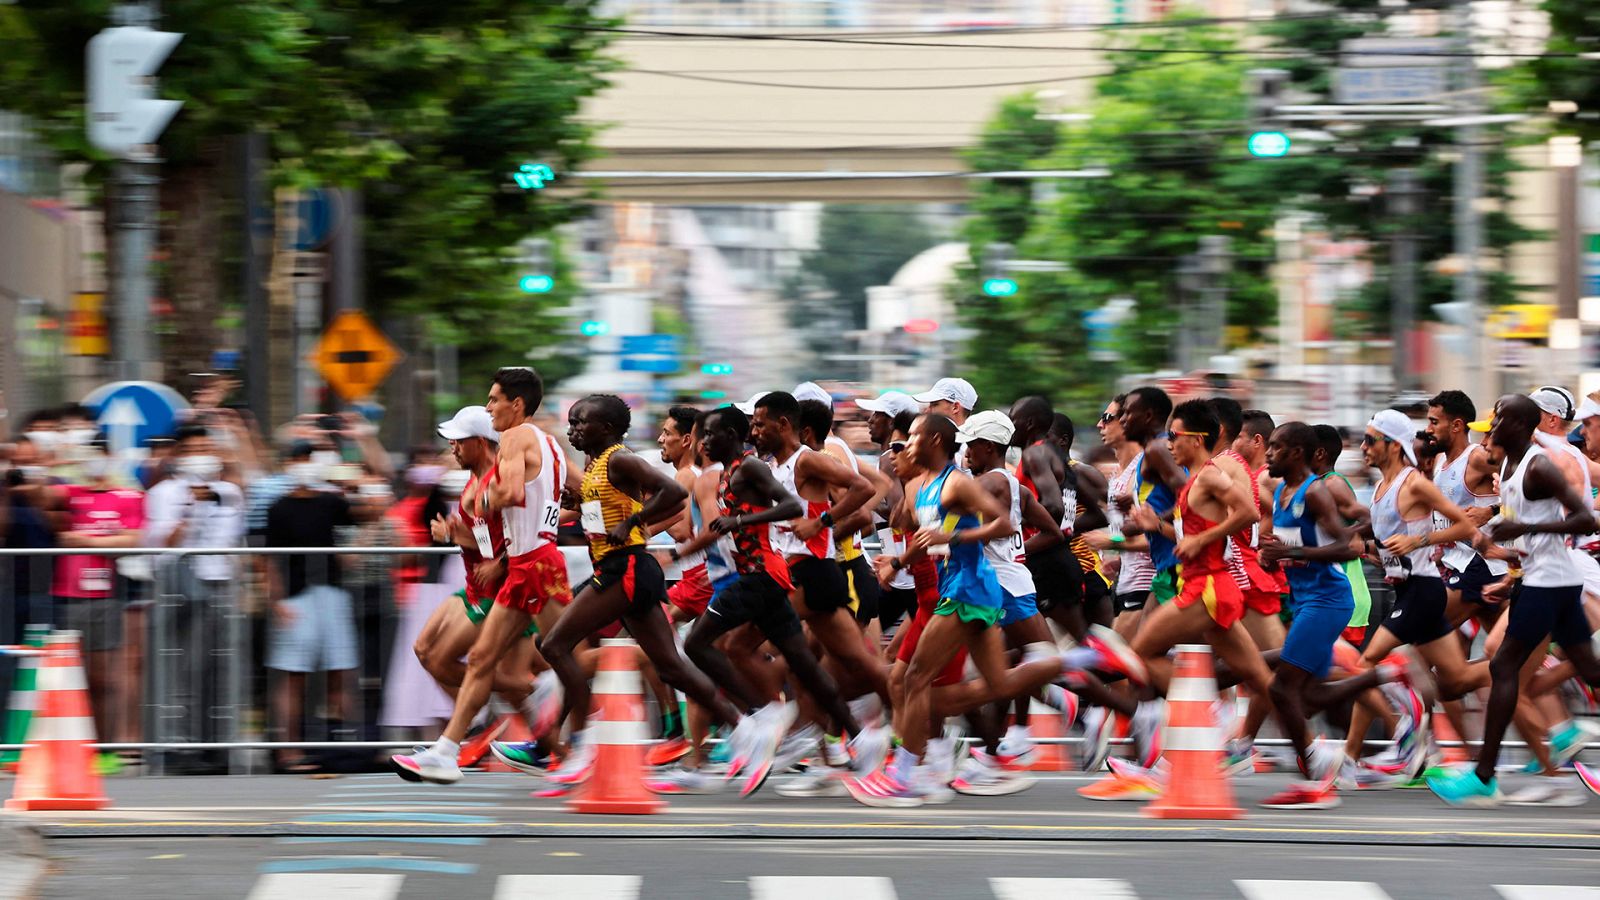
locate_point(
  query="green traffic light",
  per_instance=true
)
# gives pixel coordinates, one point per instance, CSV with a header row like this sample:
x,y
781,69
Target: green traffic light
x,y
536,284
592,328
1000,287
1268,144
716,369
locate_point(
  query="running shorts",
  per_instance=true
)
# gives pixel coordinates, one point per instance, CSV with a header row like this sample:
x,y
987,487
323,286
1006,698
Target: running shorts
x,y
820,583
1355,635
478,610
1470,581
1267,603
953,671
1132,601
756,597
895,603
1165,584
1018,609
1418,616
640,576
1057,577
692,592
1220,595
1554,611
1316,627
534,579
864,591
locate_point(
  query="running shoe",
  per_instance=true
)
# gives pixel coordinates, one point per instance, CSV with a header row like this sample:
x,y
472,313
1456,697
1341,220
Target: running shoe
x,y
524,756
866,751
1303,796
934,784
722,750
836,754
981,780
1239,759
475,746
1126,769
1099,725
1462,787
668,752
679,780
543,706
1148,721
883,791
868,709
428,765
1017,748
1355,776
1570,741
1068,711
578,765
1117,787
796,746
1589,777
819,781
1115,654
765,745
1547,792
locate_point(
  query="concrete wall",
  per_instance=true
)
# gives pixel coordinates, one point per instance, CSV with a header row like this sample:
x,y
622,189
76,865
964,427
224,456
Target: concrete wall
x,y
40,259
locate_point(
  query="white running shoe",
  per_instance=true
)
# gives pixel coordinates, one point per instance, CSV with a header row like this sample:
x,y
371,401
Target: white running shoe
x,y
678,780
428,765
796,746
931,784
818,781
980,780
1099,726
1548,792
578,765
543,706
867,750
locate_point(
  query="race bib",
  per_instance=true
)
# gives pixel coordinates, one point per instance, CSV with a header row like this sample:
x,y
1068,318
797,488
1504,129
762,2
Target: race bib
x,y
96,580
1177,528
480,532
1394,568
550,519
593,517
1290,537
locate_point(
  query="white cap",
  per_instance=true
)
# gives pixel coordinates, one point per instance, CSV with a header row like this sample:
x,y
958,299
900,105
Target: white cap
x,y
890,403
989,425
808,390
470,422
1557,401
1396,426
958,390
749,406
1588,408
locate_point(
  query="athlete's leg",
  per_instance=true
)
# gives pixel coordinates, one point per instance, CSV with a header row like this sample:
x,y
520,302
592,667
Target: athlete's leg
x,y
1505,671
590,611
702,647
838,632
1166,627
815,681
1383,643
940,641
650,629
500,629
1456,676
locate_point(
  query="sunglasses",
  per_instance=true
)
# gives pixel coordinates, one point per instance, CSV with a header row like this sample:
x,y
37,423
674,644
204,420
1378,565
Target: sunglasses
x,y
1108,418
897,447
1193,434
1368,440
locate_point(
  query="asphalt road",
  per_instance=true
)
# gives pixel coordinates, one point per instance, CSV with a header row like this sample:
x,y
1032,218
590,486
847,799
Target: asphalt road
x,y
280,837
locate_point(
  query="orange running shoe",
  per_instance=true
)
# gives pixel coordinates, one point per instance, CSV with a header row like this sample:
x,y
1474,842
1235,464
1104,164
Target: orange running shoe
x,y
1122,787
667,752
473,749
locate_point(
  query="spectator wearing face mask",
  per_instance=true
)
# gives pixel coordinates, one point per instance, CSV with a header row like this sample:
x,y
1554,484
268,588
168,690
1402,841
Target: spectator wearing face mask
x,y
412,513
264,492
370,580
196,508
313,628
99,515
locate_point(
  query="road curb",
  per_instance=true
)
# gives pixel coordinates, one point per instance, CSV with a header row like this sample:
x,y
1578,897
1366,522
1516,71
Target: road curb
x,y
23,860
1245,834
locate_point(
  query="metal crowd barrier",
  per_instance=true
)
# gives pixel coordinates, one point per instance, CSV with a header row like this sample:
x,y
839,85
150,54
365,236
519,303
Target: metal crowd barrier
x,y
182,663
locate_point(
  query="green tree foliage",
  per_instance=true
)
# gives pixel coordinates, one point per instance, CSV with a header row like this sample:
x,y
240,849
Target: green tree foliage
x,y
1574,28
426,107
859,247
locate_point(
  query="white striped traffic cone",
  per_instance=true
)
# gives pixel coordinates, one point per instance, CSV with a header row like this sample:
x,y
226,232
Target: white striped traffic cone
x,y
57,766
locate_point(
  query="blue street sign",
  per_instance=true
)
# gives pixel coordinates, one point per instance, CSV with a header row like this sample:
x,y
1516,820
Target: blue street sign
x,y
650,344
316,214
133,412
657,364
224,360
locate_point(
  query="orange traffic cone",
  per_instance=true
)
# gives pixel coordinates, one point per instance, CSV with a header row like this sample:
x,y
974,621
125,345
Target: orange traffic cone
x,y
1045,722
1192,745
57,766
617,727
1444,731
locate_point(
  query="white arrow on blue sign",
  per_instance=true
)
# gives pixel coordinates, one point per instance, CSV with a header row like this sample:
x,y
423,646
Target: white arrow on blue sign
x,y
133,412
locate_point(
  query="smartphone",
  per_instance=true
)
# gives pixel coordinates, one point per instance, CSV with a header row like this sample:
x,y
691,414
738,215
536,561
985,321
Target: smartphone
x,y
343,472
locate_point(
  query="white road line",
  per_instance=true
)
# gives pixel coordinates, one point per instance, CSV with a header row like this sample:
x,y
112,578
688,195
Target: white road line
x,y
1547,892
589,887
810,887
330,886
1056,888
1311,890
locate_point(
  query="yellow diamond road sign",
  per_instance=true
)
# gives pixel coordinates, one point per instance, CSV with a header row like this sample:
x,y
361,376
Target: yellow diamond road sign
x,y
354,356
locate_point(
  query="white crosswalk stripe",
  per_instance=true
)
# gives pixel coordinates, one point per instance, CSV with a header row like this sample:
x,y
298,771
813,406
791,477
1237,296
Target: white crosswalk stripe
x,y
810,887
589,887
1057,888
1547,892
326,886
1311,890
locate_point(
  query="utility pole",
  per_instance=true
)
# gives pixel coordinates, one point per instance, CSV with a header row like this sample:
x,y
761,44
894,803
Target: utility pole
x,y
1481,382
1402,275
1216,261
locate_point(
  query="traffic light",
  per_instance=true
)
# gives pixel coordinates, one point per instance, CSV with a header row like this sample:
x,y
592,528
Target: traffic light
x,y
713,395
1265,89
593,328
533,176
996,281
999,287
536,284
124,112
1268,144
716,369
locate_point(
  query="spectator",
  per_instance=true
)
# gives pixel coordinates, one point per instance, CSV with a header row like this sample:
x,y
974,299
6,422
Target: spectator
x,y
312,623
99,515
370,579
196,508
266,491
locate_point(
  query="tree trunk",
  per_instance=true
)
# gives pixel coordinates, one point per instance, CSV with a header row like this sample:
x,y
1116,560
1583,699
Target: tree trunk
x,y
191,262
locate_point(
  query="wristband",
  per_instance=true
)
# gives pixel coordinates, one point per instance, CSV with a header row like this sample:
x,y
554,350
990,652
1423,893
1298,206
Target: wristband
x,y
1117,537
676,556
634,521
896,564
955,538
826,518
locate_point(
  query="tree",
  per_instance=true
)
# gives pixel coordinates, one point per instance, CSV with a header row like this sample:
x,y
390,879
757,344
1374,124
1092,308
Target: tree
x,y
1574,27
426,107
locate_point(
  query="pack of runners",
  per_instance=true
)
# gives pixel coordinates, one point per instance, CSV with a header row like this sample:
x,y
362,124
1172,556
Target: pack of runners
x,y
1010,577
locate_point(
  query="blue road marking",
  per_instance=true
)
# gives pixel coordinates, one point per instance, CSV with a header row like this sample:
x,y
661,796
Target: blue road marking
x,y
329,863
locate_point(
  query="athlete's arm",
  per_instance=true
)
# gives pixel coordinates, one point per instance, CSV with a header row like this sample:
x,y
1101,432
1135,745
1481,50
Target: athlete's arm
x,y
663,496
963,493
1344,499
755,481
680,527
705,495
1319,502
1092,495
1034,515
1039,463
1241,512
1422,492
1544,481
509,485
854,488
861,519
1158,462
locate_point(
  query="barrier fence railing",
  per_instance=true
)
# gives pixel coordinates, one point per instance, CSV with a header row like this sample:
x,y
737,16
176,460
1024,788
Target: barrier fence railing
x,y
241,659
